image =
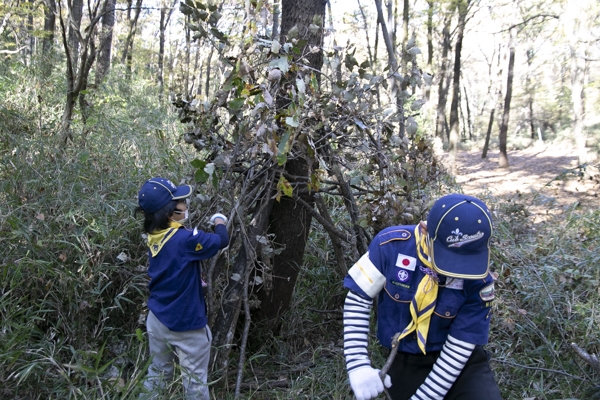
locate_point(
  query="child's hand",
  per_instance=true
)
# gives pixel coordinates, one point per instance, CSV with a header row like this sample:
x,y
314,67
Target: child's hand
x,y
217,216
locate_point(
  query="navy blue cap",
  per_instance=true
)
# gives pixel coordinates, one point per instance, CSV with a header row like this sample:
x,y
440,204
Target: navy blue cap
x,y
460,229
158,192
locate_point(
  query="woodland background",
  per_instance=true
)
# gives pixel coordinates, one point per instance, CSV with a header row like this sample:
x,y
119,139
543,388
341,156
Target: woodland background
x,y
312,124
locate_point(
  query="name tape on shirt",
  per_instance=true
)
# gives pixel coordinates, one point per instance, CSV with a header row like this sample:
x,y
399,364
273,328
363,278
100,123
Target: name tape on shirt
x,y
406,262
457,284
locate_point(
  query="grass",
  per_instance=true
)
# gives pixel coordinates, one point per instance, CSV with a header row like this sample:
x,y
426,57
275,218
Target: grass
x,y
73,282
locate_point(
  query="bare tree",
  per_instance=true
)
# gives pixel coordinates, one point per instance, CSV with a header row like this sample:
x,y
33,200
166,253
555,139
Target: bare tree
x,y
126,56
289,223
166,12
49,29
463,9
503,155
441,129
106,34
78,68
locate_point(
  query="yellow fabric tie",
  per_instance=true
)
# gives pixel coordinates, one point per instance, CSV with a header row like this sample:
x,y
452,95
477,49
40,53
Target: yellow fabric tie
x,y
157,240
424,301
422,247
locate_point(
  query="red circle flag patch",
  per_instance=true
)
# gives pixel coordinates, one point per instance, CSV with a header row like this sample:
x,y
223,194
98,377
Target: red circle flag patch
x,y
406,262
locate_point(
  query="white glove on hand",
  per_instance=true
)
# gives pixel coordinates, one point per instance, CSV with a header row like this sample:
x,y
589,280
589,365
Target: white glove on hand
x,y
218,215
366,383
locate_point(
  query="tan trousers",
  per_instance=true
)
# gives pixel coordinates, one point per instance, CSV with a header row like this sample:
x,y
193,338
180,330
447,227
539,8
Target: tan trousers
x,y
192,348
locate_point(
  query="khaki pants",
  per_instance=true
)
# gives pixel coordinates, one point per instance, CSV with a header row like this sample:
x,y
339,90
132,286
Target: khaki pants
x,y
192,348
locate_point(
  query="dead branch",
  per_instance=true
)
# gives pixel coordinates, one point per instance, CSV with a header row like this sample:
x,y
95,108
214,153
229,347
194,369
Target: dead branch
x,y
327,225
284,383
335,241
591,359
554,371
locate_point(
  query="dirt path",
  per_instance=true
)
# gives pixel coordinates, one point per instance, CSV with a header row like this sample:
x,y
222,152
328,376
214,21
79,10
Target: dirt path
x,y
542,177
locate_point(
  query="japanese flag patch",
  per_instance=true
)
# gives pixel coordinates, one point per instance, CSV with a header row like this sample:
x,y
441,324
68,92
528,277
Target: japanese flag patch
x,y
487,293
406,262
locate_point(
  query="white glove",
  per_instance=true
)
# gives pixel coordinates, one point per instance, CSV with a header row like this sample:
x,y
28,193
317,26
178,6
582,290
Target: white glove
x,y
218,215
366,383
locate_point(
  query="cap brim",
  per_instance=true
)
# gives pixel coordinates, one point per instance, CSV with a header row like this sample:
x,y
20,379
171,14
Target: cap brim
x,y
182,192
449,263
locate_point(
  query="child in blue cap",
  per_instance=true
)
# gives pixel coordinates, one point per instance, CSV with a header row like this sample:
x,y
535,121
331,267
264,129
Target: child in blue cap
x,y
177,320
435,290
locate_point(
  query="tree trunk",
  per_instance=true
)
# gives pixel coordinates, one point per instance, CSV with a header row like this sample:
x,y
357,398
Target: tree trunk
x,y
188,46
463,8
289,222
503,156
429,45
105,50
208,69
165,16
126,57
488,134
405,21
530,93
276,13
578,78
48,42
393,63
161,50
578,74
469,124
498,98
443,86
391,23
77,69
74,23
31,36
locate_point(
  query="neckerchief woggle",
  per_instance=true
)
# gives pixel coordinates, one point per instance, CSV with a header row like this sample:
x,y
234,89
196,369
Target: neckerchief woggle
x,y
424,301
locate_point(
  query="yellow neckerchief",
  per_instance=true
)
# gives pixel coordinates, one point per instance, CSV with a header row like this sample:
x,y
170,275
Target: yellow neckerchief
x,y
157,240
424,301
422,247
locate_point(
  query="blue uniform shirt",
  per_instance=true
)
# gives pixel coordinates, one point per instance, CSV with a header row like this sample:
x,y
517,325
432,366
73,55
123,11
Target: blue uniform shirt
x,y
392,271
176,296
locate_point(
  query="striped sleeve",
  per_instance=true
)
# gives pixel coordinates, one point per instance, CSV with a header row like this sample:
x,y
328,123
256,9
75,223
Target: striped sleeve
x,y
446,369
357,312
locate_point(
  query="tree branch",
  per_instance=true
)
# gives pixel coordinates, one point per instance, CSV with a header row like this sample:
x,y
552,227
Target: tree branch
x,y
328,226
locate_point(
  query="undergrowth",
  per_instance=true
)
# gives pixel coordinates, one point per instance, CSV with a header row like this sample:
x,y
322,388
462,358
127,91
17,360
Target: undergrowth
x,y
73,282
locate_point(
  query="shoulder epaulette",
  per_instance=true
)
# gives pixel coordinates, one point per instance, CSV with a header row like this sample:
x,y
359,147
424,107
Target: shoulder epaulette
x,y
396,234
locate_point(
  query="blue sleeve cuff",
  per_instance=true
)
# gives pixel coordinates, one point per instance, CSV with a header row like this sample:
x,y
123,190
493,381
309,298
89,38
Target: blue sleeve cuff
x,y
221,230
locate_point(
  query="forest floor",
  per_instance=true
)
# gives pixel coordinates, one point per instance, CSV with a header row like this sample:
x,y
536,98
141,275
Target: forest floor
x,y
544,178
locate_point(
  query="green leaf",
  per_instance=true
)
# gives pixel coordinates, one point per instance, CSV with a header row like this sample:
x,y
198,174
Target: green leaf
x,y
185,9
219,35
284,186
283,149
201,176
199,164
281,63
214,18
236,104
215,181
84,156
292,121
350,61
